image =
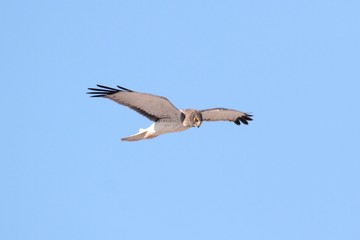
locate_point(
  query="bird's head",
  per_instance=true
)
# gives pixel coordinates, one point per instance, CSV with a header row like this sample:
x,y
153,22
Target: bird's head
x,y
192,118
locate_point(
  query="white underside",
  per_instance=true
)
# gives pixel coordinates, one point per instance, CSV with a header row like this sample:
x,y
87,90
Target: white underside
x,y
156,129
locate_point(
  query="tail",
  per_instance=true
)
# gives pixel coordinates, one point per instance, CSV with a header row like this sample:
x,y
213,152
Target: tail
x,y
139,136
135,137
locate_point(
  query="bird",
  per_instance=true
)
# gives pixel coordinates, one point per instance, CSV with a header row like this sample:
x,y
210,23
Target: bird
x,y
165,116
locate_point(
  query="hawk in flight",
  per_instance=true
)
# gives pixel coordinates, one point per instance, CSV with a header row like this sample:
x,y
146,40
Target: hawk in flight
x,y
165,116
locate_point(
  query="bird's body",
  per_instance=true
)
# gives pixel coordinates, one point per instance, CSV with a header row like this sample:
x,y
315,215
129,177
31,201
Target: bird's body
x,y
165,116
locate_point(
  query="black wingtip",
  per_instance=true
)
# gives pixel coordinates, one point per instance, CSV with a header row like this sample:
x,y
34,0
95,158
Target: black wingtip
x,y
100,95
105,87
243,119
126,89
103,91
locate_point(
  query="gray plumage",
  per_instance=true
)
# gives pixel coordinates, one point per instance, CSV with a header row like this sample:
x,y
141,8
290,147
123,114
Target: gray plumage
x,y
165,116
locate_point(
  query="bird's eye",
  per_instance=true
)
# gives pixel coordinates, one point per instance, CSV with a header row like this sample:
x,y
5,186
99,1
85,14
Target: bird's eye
x,y
196,120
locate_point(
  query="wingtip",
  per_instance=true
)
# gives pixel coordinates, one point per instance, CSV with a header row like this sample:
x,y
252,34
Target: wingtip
x,y
105,87
248,117
125,89
98,95
243,119
103,91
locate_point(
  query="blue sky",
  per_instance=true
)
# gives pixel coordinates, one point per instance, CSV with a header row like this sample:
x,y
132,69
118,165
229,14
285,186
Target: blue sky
x,y
293,173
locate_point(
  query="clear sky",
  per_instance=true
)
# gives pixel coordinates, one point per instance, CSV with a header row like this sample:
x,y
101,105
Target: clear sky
x,y
293,173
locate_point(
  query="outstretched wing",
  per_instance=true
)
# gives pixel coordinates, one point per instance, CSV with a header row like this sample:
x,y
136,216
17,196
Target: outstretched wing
x,y
151,106
223,114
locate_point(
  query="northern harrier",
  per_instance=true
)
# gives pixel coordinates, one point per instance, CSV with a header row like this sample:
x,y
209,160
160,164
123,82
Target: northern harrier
x,y
166,117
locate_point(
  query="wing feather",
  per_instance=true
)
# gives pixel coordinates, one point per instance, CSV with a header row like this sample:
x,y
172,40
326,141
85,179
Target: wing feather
x,y
224,114
151,106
